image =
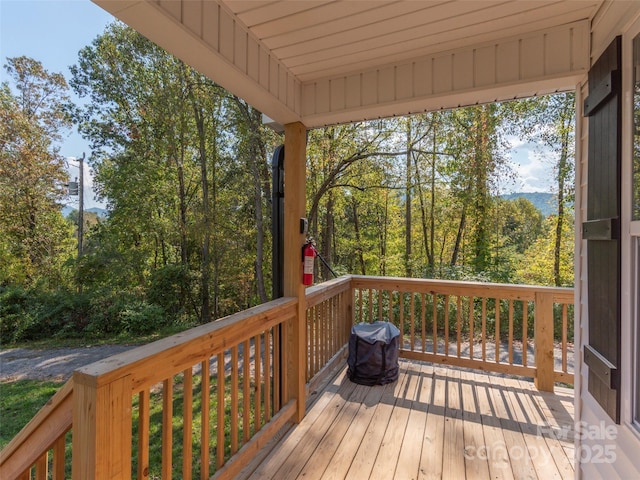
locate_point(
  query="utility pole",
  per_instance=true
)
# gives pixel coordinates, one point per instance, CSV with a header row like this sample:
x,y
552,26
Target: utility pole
x,y
80,204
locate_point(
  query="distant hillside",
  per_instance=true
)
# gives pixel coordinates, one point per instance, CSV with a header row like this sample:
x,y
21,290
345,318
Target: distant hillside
x,y
100,212
547,203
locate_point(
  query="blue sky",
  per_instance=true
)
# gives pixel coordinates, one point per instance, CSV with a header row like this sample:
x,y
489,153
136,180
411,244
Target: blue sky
x,y
53,31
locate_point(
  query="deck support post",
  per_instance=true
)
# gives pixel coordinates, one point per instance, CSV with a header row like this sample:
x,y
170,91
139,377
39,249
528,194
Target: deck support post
x,y
295,168
543,340
101,428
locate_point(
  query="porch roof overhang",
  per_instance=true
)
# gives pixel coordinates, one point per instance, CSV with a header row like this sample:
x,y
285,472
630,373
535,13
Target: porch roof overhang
x,y
325,62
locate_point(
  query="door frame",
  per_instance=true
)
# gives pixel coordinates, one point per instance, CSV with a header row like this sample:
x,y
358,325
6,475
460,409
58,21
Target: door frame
x,y
630,243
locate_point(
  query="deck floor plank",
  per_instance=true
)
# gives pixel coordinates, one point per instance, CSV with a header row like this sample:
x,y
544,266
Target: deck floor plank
x,y
411,449
433,443
516,447
365,457
353,438
476,466
538,453
299,438
435,422
453,454
557,432
330,441
389,451
494,448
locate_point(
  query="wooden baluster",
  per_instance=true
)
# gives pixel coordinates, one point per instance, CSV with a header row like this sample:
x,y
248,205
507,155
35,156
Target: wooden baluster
x,y
497,331
187,422
234,400
471,326
59,458
434,322
257,414
167,429
143,433
401,319
446,325
564,337
423,321
412,326
246,393
205,399
510,332
42,467
278,363
484,329
220,440
323,335
459,325
525,329
285,374
268,352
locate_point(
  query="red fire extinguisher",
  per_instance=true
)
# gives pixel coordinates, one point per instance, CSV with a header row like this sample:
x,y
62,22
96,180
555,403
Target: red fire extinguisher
x,y
308,256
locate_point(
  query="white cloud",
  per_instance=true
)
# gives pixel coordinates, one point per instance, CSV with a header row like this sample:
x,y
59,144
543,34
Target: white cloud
x,y
533,169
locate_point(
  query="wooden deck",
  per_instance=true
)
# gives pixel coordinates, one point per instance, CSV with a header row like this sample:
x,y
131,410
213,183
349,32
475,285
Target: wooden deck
x,y
433,422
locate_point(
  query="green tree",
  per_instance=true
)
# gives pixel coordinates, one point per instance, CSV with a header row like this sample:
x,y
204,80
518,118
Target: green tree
x,y
538,266
175,156
35,240
550,121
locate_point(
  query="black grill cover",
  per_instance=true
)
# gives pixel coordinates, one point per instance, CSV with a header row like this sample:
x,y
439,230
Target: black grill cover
x,y
373,353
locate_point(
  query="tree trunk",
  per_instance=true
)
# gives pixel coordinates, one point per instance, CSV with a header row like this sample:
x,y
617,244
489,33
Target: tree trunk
x,y
257,151
423,215
205,260
458,243
562,172
356,226
407,214
327,235
480,163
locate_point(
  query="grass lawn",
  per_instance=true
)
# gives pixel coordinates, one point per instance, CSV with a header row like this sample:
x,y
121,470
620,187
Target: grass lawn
x,y
19,402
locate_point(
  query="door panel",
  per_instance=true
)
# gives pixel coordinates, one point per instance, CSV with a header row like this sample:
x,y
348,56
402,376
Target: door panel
x,y
602,229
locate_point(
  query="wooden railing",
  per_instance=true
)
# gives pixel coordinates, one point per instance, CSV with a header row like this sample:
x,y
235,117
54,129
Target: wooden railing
x,y
206,400
513,329
39,450
329,319
202,401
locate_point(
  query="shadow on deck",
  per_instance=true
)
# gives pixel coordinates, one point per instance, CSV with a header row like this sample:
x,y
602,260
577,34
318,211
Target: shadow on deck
x,y
433,422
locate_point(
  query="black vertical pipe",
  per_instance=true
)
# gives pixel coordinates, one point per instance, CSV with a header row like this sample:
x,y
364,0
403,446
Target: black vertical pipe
x,y
277,222
277,232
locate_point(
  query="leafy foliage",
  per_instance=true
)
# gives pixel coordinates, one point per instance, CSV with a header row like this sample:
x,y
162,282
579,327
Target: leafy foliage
x,y
184,169
34,237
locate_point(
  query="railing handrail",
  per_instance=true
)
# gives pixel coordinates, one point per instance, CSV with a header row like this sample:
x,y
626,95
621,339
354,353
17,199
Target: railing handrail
x,y
154,362
508,291
323,291
51,422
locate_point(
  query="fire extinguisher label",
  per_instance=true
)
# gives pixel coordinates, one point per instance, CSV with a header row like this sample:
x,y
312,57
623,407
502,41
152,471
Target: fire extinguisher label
x,y
308,265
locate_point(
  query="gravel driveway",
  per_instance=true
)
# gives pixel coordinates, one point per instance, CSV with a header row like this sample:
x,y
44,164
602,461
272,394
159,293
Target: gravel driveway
x,y
51,364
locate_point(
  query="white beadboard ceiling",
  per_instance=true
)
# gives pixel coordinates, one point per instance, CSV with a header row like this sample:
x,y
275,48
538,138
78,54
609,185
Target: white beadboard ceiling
x,y
332,61
316,39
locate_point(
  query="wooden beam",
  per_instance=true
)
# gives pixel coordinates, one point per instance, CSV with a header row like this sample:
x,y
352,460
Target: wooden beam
x,y
101,429
295,148
543,334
